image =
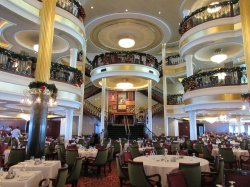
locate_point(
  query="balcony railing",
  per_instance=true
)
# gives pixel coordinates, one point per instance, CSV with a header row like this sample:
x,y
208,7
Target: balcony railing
x,y
125,57
25,65
224,9
175,99
174,60
218,77
72,6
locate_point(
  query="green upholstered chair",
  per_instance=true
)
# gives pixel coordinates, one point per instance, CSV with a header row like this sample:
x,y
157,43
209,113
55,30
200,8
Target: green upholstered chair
x,y
134,150
59,181
71,155
60,156
192,173
122,171
110,157
98,162
16,156
213,178
138,178
206,154
14,143
74,175
229,158
175,146
198,147
117,147
159,150
81,142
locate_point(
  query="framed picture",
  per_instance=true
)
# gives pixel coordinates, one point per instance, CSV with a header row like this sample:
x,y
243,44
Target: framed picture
x,y
122,108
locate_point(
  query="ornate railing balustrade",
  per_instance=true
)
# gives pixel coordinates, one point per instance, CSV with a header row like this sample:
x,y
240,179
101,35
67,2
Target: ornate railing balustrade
x,y
174,60
125,57
25,65
175,99
72,6
225,9
218,77
94,110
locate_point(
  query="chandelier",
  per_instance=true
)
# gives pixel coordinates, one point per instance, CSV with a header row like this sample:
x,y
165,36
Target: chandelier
x,y
218,56
124,85
126,42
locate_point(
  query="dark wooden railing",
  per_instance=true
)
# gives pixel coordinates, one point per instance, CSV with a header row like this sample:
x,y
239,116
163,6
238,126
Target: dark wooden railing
x,y
174,60
25,65
125,57
218,77
175,99
72,6
228,8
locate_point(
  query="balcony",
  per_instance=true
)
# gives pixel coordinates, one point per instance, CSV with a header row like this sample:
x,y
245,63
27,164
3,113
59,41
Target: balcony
x,y
175,66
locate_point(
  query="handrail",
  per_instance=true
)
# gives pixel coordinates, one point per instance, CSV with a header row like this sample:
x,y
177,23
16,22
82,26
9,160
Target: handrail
x,y
218,77
25,65
72,6
174,60
149,132
125,57
94,110
228,8
175,99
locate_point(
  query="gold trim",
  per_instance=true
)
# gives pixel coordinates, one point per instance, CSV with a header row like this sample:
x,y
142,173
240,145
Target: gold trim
x,y
175,71
35,11
212,30
210,98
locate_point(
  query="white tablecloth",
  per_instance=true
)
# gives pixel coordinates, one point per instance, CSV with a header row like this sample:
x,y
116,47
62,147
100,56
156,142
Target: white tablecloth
x,y
236,152
87,152
49,169
22,179
159,164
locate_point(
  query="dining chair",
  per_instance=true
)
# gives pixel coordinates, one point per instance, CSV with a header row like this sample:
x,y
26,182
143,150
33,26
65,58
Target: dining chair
x,y
175,146
71,155
15,156
244,162
206,154
122,171
229,158
177,179
110,157
240,177
3,147
213,178
138,178
126,156
134,150
192,173
74,175
97,162
59,181
60,156
160,150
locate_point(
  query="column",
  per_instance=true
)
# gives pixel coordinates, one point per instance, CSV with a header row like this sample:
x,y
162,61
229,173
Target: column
x,y
63,127
69,124
238,125
189,65
173,127
150,127
176,127
103,106
39,110
192,125
245,20
73,57
165,91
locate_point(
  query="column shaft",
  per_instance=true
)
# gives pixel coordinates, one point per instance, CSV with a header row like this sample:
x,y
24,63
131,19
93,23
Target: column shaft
x,y
69,124
73,57
245,20
192,126
165,89
103,103
189,65
150,127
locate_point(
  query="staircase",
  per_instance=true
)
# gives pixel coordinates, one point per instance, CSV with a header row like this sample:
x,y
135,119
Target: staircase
x,y
90,90
116,132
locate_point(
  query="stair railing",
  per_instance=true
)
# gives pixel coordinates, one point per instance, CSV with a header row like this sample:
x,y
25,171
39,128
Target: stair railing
x,y
148,132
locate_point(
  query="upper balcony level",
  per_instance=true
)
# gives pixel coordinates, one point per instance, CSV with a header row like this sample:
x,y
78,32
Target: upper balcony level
x,y
210,25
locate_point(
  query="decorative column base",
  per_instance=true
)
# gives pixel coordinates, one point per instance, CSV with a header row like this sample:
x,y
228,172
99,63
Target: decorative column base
x,y
37,126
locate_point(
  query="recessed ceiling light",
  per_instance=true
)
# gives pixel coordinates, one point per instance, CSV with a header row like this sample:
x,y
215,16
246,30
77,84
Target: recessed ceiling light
x,y
92,7
126,43
124,85
126,10
159,12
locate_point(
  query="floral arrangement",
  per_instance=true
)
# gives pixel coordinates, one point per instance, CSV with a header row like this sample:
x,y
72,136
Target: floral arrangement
x,y
43,88
245,97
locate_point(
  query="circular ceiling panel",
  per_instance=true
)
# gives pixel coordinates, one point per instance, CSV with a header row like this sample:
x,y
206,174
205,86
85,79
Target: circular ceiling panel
x,y
145,34
28,38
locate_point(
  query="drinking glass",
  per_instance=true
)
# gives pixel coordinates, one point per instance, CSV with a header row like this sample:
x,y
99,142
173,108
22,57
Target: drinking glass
x,y
194,155
43,159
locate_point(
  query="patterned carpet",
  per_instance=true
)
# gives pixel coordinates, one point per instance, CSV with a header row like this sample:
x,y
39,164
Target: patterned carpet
x,y
110,180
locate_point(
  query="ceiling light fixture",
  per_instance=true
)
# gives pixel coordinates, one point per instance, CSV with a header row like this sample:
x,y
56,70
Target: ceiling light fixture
x,y
125,85
92,7
126,42
213,7
36,47
218,57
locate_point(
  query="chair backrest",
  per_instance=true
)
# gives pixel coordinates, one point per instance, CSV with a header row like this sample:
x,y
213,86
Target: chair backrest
x,y
61,177
126,157
7,139
71,155
76,170
177,179
227,154
134,150
101,157
120,172
198,147
137,176
192,173
14,143
16,156
110,153
159,150
220,177
206,153
175,146
241,178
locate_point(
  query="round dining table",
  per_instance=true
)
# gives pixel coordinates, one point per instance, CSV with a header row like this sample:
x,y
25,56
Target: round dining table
x,y
163,165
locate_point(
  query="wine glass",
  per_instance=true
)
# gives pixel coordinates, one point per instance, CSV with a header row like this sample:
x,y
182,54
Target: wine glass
x,y
194,155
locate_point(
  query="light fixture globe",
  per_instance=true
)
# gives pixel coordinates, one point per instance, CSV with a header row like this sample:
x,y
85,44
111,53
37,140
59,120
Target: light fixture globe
x,y
126,43
213,7
124,85
218,56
